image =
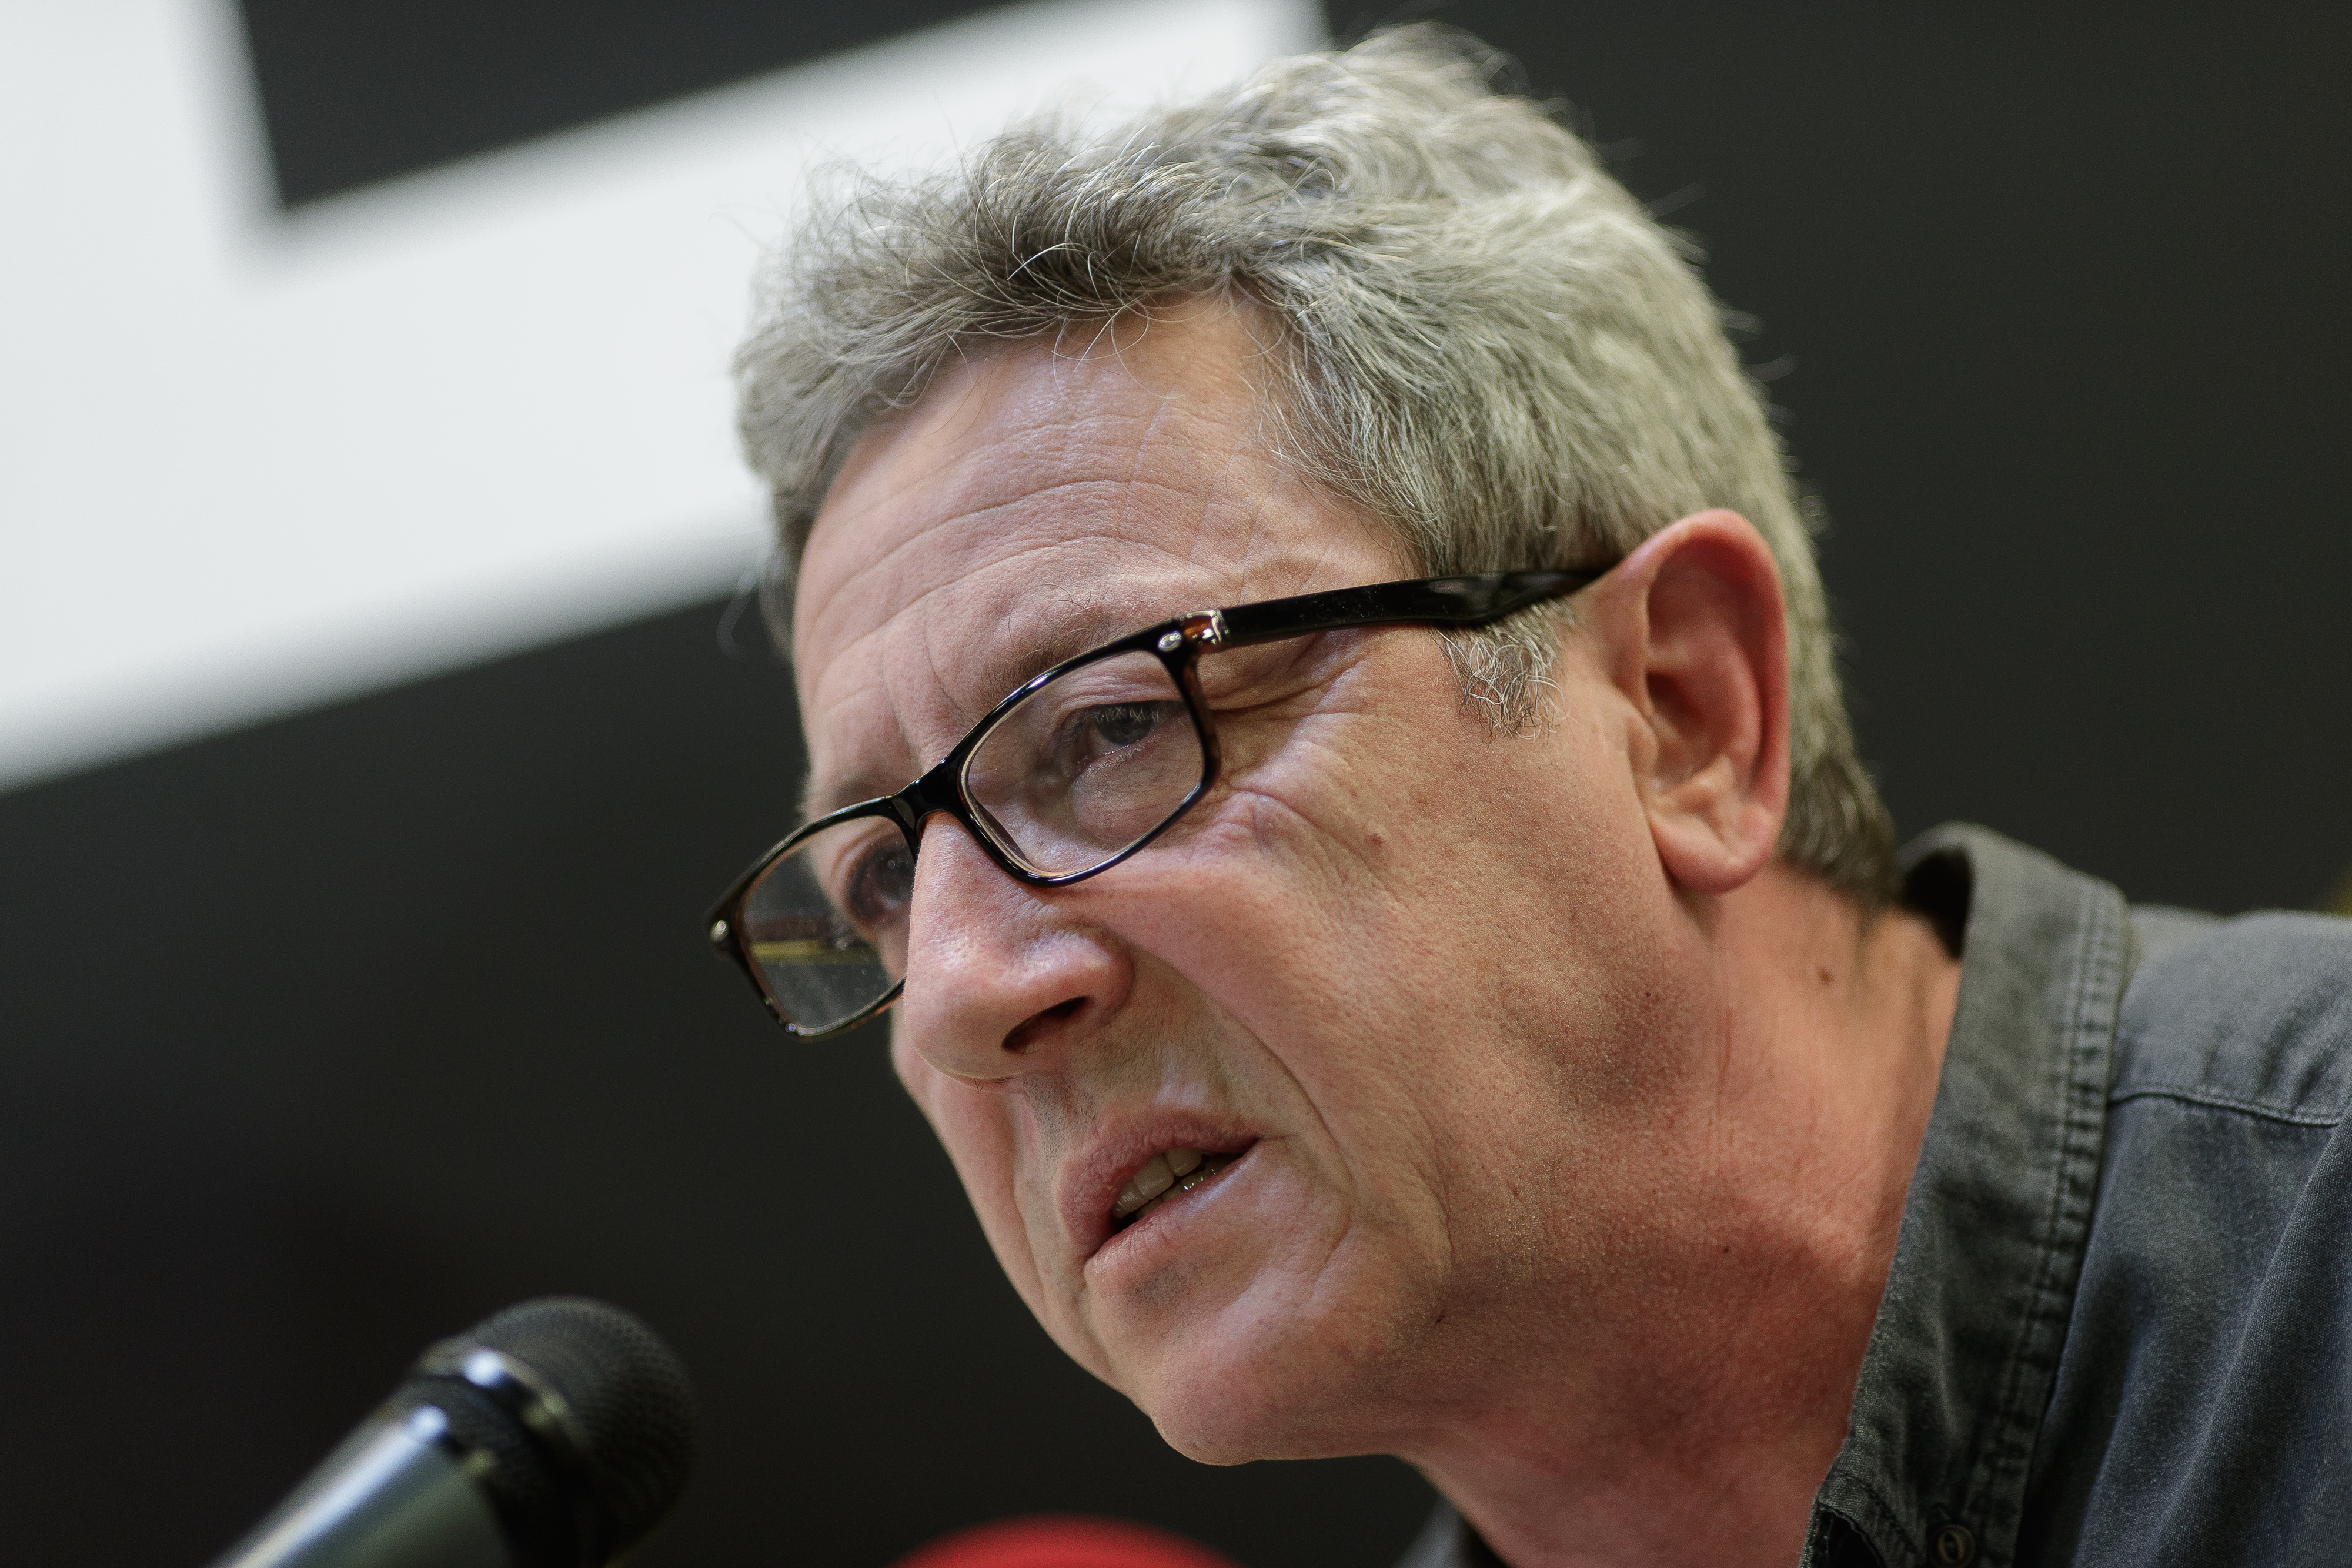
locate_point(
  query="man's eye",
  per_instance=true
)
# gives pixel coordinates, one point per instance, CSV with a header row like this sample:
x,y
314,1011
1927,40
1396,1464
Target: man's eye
x,y
1094,734
879,882
1124,724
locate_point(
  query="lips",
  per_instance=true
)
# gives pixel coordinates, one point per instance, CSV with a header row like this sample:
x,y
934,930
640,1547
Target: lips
x,y
1165,1176
1133,1171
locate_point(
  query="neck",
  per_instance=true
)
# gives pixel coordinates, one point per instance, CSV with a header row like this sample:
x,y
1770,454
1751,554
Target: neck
x,y
1724,1374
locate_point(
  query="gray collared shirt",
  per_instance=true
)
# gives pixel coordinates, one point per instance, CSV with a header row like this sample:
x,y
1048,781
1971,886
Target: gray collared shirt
x,y
2118,1325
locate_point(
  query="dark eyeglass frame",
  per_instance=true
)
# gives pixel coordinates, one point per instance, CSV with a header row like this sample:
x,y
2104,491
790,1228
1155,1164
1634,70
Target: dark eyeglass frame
x,y
1472,600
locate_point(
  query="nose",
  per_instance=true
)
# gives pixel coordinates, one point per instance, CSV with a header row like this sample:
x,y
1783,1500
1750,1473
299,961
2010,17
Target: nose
x,y
1000,976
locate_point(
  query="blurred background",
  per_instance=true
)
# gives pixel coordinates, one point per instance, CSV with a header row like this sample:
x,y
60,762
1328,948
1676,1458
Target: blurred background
x,y
374,725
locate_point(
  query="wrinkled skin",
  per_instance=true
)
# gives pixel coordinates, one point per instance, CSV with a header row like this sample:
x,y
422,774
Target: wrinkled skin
x,y
1564,1171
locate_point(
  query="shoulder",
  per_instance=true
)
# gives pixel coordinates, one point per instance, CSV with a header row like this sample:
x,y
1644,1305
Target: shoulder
x,y
2252,1015
2197,1414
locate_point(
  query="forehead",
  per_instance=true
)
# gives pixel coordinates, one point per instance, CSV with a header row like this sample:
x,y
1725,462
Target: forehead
x,y
1033,504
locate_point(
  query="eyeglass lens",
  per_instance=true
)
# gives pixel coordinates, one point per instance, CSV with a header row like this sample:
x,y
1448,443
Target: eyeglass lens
x,y
1081,770
825,925
1087,766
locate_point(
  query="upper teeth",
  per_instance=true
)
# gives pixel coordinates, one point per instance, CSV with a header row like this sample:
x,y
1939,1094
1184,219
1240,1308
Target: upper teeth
x,y
1159,1172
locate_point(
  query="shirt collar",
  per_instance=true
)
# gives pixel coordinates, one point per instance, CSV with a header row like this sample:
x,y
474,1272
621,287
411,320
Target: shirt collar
x,y
1961,1362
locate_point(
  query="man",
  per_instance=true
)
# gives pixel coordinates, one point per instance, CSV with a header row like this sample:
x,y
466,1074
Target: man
x,y
1481,1020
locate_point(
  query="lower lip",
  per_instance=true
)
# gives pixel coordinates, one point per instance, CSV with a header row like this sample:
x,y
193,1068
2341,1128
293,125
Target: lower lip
x,y
1163,1223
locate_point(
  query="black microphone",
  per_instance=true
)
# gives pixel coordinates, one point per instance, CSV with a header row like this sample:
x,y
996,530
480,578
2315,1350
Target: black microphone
x,y
552,1435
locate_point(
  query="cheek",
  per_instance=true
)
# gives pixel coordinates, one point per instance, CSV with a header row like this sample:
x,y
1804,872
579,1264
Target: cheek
x,y
1293,943
1434,946
980,1134
1334,902
976,1129
1239,912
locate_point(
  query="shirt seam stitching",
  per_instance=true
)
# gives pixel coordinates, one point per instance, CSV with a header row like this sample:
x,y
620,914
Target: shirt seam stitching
x,y
2215,1100
2050,1303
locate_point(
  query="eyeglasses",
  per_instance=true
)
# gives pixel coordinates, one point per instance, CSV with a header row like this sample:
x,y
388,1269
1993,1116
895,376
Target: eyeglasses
x,y
1074,771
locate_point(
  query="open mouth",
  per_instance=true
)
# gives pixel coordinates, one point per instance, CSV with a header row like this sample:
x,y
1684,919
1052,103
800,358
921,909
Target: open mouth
x,y
1164,1178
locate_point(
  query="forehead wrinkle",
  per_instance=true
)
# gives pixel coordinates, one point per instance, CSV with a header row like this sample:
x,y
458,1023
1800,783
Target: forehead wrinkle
x,y
950,455
1242,449
843,604
1068,613
928,640
836,784
1076,435
1172,422
953,568
1040,472
1163,414
1074,597
828,787
1058,620
1212,491
926,663
1044,434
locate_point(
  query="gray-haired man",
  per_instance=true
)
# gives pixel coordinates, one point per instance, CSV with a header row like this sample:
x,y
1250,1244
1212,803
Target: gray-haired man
x,y
1401,951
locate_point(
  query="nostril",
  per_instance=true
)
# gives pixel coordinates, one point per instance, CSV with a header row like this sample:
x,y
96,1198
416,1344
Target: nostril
x,y
1025,1034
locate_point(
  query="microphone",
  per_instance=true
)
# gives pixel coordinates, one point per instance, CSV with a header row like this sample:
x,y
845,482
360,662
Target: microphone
x,y
554,1434
1050,1540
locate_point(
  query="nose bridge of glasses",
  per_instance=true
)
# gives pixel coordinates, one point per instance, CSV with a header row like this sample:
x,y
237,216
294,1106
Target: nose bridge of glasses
x,y
936,791
940,792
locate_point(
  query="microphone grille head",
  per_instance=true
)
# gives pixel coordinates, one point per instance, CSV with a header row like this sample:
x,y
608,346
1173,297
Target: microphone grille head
x,y
628,1390
631,1419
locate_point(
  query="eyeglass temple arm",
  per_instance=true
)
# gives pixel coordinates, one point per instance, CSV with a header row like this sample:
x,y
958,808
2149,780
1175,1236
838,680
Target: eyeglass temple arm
x,y
1471,601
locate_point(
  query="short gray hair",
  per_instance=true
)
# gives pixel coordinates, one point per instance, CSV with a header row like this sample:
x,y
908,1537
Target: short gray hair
x,y
1482,338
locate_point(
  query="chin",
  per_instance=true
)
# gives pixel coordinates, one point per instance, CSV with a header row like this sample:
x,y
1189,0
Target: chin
x,y
1230,1391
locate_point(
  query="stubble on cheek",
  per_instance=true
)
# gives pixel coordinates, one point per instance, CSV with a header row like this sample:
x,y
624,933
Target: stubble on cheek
x,y
1000,1147
979,1131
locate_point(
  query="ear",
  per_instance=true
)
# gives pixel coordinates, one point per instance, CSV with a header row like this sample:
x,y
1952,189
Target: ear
x,y
1693,633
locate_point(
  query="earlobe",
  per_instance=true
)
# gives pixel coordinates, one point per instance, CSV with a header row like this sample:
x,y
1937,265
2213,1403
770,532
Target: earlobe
x,y
1697,638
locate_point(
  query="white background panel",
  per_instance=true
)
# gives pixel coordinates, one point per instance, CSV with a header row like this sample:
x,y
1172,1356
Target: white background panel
x,y
252,461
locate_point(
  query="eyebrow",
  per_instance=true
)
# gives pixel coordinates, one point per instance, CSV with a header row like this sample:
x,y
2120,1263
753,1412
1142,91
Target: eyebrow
x,y
847,789
1000,673
1015,664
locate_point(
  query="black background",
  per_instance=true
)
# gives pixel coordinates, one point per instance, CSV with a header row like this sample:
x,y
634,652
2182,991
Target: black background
x,y
333,1035
2058,290
363,91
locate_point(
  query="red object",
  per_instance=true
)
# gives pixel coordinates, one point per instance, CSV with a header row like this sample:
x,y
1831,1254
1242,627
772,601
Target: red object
x,y
1060,1543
